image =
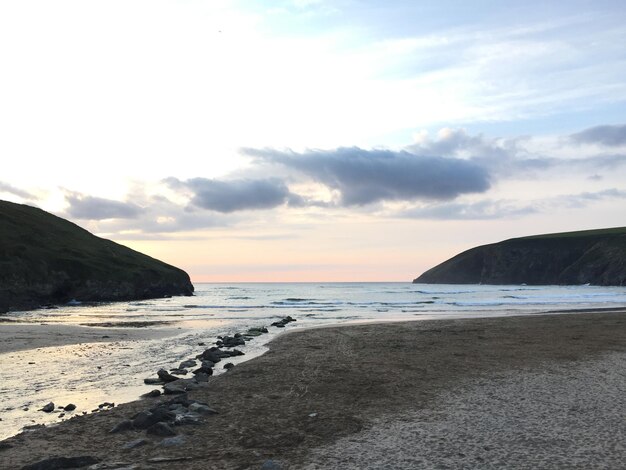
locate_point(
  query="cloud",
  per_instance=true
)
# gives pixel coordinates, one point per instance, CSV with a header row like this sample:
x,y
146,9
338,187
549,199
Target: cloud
x,y
368,176
481,210
96,208
7,188
500,209
610,136
235,195
508,157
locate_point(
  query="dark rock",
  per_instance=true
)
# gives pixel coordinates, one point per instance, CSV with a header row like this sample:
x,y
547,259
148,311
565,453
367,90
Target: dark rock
x,y
201,377
165,376
58,463
229,365
125,425
143,420
5,446
70,407
236,352
180,386
202,409
48,408
135,443
282,323
179,371
152,394
172,441
151,381
187,364
203,370
161,429
209,355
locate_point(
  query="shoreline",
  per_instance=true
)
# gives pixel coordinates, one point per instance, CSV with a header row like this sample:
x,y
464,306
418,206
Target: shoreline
x,y
16,336
317,386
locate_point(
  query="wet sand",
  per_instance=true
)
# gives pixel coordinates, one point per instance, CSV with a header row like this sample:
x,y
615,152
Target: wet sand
x,y
525,392
24,336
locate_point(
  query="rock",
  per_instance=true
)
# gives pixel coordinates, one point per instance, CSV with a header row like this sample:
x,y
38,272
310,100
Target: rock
x,y
209,355
230,342
201,377
203,370
125,425
161,429
57,463
70,407
174,388
165,376
187,364
152,394
135,443
5,446
144,419
236,352
271,465
229,366
151,381
202,409
187,418
48,408
172,441
178,371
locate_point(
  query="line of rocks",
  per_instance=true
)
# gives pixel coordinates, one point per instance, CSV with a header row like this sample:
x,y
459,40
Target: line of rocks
x,y
163,419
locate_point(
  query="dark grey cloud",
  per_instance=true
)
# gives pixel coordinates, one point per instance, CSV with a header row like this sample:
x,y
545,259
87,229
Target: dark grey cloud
x,y
96,208
610,136
8,188
235,195
368,176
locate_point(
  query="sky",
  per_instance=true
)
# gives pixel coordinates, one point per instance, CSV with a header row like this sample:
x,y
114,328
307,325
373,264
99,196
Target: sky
x,y
314,140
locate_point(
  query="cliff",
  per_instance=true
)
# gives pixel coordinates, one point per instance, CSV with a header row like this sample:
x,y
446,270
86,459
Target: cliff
x,y
596,257
46,259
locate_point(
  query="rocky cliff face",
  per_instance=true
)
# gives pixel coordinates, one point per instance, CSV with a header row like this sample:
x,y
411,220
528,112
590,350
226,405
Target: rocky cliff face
x,y
596,257
46,259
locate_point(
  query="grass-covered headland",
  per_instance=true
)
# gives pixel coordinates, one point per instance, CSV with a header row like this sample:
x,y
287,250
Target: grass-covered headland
x,y
45,259
596,257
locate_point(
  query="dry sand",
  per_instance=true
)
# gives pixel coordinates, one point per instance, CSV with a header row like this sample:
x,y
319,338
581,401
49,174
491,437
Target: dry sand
x,y
518,392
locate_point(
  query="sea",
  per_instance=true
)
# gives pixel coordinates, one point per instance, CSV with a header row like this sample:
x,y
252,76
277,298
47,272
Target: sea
x,y
90,374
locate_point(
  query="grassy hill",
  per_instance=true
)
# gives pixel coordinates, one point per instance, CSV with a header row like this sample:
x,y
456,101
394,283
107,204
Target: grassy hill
x,y
595,257
46,259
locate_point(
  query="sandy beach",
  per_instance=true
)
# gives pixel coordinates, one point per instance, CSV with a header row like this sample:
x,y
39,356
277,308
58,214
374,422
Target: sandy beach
x,y
543,391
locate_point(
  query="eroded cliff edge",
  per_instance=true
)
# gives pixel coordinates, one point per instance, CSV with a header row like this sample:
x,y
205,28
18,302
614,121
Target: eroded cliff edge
x,y
596,257
45,259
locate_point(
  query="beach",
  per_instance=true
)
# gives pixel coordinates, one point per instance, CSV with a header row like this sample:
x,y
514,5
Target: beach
x,y
536,391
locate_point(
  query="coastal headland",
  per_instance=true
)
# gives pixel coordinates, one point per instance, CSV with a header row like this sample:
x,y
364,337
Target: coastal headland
x,y
537,391
595,257
47,260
